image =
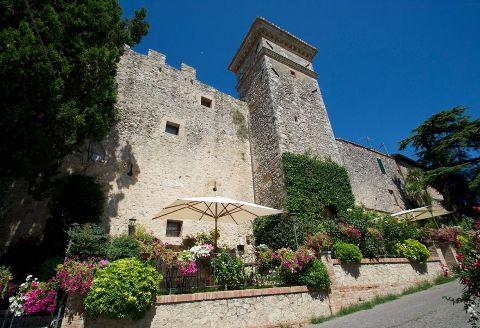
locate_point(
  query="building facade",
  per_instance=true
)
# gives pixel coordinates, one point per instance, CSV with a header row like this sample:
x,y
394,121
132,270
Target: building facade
x,y
178,137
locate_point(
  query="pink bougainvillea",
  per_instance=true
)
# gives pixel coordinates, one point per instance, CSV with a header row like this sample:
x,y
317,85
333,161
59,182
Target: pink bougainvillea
x,y
349,231
34,297
77,276
163,251
186,263
40,298
448,234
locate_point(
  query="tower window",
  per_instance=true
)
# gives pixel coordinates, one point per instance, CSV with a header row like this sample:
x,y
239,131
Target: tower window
x,y
206,102
172,128
380,164
174,228
292,73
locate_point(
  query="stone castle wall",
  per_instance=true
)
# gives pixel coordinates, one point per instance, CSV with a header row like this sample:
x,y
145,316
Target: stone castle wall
x,y
145,168
371,187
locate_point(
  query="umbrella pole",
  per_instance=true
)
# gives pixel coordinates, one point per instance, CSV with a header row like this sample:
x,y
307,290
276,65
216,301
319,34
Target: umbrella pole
x,y
216,235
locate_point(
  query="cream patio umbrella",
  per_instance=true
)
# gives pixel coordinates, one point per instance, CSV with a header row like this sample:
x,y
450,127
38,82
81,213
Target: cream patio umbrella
x,y
205,208
422,213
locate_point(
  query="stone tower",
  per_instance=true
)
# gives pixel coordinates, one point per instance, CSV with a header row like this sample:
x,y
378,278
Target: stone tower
x,y
287,114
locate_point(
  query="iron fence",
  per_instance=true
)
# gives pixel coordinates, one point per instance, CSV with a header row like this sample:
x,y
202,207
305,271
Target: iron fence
x,y
204,278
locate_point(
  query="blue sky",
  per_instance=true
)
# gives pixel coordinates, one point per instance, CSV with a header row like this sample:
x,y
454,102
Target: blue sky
x,y
383,66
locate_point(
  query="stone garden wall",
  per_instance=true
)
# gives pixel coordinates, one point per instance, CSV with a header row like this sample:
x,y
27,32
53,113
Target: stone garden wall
x,y
355,283
271,307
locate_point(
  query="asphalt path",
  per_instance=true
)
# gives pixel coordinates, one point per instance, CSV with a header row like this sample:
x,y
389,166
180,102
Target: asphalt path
x,y
419,310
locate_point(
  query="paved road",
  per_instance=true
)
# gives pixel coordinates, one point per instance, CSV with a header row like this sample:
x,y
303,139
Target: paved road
x,y
419,310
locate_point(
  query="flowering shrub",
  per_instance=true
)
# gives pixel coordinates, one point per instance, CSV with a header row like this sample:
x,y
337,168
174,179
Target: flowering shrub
x,y
347,253
228,269
186,263
163,251
5,277
314,275
77,276
468,270
318,241
352,233
448,234
201,251
374,233
287,260
293,262
413,250
124,288
33,297
303,256
266,259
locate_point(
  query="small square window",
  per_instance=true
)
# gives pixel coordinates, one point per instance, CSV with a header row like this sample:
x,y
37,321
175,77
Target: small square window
x,y
206,102
174,228
172,128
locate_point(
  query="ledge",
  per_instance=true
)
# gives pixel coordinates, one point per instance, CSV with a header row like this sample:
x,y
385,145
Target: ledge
x,y
209,296
385,260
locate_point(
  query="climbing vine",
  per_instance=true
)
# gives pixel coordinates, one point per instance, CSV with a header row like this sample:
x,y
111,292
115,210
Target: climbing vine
x,y
316,190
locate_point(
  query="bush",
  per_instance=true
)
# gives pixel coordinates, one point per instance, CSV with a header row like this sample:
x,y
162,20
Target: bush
x,y
347,253
86,241
395,231
5,277
412,250
468,270
77,276
49,267
122,247
228,269
200,238
125,288
142,235
314,275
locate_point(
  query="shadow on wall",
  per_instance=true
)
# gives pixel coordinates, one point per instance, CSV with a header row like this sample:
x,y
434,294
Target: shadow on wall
x,y
421,268
115,167
145,321
351,269
24,219
403,194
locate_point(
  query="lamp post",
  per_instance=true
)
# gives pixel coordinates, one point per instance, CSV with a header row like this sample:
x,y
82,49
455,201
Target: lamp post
x,y
131,227
293,215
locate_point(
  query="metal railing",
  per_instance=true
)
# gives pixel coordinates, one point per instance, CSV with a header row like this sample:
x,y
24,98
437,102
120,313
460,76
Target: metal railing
x,y
174,281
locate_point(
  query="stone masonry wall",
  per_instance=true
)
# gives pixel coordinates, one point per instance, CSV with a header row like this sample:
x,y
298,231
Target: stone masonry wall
x,y
271,307
372,188
144,168
265,150
302,119
355,283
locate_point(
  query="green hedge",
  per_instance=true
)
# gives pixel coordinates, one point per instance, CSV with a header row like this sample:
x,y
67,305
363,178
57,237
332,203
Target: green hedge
x,y
347,253
314,275
413,250
315,190
124,288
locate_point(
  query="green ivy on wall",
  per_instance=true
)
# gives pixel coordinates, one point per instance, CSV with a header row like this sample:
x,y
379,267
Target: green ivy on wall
x,y
316,187
316,190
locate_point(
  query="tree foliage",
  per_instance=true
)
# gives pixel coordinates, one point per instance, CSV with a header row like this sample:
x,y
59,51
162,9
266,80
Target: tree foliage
x,y
416,187
447,145
57,79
